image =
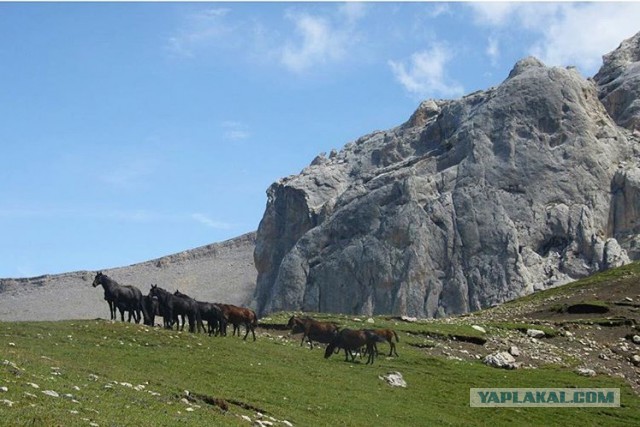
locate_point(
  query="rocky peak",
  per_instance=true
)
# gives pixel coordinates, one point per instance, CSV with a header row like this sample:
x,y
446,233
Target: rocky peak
x,y
525,63
470,203
618,83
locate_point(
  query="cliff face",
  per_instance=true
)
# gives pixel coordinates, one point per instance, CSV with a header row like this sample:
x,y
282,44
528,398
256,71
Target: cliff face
x,y
471,202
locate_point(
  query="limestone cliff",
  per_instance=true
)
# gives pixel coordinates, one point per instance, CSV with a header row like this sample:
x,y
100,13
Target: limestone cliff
x,y
471,202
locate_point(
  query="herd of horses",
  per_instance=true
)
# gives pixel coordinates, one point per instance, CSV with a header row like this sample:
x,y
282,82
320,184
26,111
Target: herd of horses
x,y
173,307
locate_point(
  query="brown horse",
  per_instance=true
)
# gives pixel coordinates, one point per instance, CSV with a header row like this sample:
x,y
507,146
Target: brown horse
x,y
239,316
350,340
313,330
386,335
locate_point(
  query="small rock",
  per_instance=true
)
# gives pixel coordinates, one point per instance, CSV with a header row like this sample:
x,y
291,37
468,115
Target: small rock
x,y
603,356
93,377
635,359
408,319
51,393
4,389
246,418
479,329
12,344
514,351
628,299
535,333
370,320
394,379
34,385
586,372
636,339
287,423
502,360
189,409
7,402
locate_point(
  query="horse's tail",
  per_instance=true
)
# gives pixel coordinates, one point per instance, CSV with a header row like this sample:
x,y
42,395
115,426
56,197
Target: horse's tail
x,y
199,320
396,335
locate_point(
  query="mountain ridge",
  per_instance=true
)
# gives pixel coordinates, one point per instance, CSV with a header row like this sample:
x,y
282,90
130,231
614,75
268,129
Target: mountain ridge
x,y
218,272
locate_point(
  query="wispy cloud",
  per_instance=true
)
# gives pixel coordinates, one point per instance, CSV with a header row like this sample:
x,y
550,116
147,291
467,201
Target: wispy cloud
x,y
493,49
438,9
235,131
129,173
565,33
318,42
209,222
141,216
424,74
199,30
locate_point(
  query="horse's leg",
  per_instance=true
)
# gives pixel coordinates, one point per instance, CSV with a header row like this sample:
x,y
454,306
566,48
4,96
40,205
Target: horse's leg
x,y
253,332
372,355
303,337
246,325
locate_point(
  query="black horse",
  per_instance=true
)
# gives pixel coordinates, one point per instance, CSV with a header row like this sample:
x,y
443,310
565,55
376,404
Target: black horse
x,y
124,298
210,312
172,306
151,309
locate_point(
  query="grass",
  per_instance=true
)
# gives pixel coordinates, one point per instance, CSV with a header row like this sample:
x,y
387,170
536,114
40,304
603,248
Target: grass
x,y
100,364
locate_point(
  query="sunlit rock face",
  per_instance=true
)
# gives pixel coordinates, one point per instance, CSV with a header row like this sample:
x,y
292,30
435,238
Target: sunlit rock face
x,y
470,203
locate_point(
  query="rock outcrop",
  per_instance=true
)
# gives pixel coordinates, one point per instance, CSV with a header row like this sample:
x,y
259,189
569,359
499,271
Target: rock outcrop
x,y
470,203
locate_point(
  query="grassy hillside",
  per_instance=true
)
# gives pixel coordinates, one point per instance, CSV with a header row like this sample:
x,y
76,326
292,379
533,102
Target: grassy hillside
x,y
117,374
94,372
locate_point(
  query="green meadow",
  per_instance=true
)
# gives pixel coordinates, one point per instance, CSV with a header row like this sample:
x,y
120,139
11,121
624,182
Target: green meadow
x,y
121,374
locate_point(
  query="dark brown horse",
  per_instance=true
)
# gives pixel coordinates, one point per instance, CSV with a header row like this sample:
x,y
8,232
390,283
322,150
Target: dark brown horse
x,y
123,298
313,330
387,335
351,340
239,316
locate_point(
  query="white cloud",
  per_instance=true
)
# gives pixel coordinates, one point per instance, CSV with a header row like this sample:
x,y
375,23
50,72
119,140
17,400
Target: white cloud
x,y
583,33
425,76
205,220
565,33
319,42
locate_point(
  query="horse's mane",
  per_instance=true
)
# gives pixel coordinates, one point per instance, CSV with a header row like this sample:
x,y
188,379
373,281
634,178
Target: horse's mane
x,y
109,280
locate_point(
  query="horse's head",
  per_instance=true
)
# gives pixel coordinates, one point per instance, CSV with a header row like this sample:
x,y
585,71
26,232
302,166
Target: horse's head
x,y
329,350
292,321
154,291
98,279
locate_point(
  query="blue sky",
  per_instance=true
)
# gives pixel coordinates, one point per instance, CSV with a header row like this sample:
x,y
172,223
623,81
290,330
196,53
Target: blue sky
x,y
136,130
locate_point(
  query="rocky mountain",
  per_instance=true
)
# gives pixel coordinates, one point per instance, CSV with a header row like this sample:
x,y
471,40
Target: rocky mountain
x,y
220,272
470,203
